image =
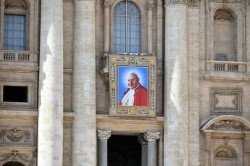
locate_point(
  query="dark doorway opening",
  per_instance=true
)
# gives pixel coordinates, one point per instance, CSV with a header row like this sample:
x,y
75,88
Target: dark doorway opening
x,y
124,151
11,163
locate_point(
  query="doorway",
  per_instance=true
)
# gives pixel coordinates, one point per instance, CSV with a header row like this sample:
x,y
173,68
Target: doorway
x,y
124,151
11,163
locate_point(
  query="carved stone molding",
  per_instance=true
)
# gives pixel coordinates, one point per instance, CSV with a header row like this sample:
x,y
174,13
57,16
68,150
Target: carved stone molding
x,y
150,5
225,100
227,125
15,155
193,3
21,4
103,134
226,151
222,14
17,136
151,136
173,2
106,4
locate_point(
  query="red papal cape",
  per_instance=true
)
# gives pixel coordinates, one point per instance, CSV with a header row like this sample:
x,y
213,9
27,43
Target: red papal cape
x,y
140,96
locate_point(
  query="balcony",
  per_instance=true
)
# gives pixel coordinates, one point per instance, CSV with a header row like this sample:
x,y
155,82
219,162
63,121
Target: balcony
x,y
226,70
23,60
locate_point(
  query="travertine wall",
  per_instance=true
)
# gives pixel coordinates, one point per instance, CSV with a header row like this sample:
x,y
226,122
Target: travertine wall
x,y
183,53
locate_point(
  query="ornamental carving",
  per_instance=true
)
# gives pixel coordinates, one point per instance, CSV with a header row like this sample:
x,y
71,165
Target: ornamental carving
x,y
103,134
16,136
151,136
150,5
225,152
221,14
22,4
176,2
15,155
227,125
193,3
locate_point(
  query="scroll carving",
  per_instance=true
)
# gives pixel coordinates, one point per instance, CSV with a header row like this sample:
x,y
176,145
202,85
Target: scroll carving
x,y
16,136
103,134
227,125
151,136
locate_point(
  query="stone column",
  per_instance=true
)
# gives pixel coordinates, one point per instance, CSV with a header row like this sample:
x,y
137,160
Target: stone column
x,y
194,84
50,121
176,84
151,137
84,84
106,25
150,26
144,150
103,137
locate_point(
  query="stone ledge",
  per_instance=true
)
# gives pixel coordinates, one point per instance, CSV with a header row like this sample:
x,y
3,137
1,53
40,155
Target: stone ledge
x,y
19,66
130,126
30,115
226,76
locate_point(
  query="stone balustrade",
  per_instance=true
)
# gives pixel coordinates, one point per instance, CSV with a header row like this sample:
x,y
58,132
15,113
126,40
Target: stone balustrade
x,y
227,66
20,55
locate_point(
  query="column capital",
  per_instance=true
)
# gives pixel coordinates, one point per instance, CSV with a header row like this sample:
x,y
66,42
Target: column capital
x,y
106,4
151,136
141,140
102,134
150,4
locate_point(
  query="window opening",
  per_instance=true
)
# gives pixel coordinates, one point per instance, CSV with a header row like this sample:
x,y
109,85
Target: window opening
x,y
14,32
126,37
15,94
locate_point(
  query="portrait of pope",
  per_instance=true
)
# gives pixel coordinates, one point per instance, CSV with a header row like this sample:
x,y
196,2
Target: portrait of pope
x,y
135,94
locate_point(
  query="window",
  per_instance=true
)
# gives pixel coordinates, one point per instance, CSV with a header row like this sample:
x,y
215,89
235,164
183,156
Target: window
x,y
15,94
14,32
221,57
126,32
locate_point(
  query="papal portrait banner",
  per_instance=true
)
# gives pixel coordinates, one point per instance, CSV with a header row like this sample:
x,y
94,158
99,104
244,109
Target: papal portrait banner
x,y
132,81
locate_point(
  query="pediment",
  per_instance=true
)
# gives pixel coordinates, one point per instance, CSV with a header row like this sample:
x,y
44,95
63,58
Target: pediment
x,y
227,123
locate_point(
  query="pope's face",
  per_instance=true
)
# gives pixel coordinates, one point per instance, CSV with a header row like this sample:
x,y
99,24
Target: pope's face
x,y
133,81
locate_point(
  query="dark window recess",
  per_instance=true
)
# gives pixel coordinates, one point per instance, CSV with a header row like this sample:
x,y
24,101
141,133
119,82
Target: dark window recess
x,y
15,93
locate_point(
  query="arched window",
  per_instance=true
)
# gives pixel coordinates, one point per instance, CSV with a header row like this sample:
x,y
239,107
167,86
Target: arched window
x,y
127,29
15,24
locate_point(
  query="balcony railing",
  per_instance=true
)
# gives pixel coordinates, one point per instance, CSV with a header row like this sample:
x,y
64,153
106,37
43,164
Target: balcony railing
x,y
226,66
18,56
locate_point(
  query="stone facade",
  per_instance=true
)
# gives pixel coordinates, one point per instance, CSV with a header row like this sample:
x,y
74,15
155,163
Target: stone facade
x,y
203,84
